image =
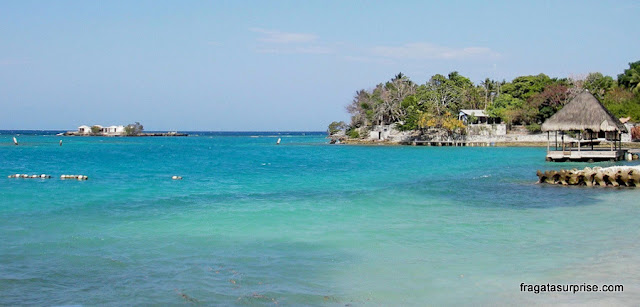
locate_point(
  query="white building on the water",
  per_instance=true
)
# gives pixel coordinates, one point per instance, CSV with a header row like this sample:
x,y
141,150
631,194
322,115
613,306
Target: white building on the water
x,y
111,130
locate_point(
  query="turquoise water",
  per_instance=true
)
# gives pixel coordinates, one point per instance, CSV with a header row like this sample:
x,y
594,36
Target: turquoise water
x,y
302,223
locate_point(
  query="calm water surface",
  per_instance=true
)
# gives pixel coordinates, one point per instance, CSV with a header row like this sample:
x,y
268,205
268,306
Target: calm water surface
x,y
304,222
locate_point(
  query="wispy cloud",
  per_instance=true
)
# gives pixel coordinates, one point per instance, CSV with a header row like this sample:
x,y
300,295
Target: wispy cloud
x,y
273,36
432,51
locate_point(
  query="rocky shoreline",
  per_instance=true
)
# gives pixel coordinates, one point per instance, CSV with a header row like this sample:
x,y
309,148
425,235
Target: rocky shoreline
x,y
71,133
509,141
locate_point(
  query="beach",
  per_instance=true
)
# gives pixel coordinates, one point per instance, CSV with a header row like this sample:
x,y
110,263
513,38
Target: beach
x,y
303,223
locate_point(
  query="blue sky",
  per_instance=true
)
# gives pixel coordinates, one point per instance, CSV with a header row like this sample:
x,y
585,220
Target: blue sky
x,y
279,65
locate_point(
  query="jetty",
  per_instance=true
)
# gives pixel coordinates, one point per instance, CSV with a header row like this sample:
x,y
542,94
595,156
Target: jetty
x,y
455,143
584,130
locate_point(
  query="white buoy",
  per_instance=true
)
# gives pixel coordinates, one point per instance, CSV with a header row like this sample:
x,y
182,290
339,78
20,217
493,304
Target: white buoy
x,y
15,141
278,142
176,177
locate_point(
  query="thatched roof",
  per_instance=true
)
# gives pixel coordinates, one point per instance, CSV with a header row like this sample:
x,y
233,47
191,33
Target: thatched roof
x,y
584,112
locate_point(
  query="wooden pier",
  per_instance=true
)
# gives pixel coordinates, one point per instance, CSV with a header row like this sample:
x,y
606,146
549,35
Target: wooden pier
x,y
458,143
586,155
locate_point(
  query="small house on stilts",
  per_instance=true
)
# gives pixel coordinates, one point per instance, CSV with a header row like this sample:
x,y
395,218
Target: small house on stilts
x,y
580,129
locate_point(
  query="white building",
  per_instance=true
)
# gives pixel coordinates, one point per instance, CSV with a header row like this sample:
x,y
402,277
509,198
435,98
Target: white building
x,y
84,129
111,130
480,116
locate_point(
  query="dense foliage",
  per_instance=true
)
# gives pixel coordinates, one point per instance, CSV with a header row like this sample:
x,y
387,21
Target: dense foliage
x,y
133,129
526,100
336,127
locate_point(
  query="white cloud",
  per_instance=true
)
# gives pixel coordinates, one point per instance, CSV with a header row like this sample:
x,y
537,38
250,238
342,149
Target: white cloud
x,y
273,36
432,51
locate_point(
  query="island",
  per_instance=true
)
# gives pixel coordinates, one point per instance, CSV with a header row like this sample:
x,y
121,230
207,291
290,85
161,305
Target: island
x,y
450,110
135,129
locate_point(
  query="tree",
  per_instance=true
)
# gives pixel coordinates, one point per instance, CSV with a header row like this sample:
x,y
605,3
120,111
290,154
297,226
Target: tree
x,y
133,129
452,125
598,84
491,89
336,127
383,104
361,109
547,103
505,107
96,129
621,102
526,86
444,94
631,77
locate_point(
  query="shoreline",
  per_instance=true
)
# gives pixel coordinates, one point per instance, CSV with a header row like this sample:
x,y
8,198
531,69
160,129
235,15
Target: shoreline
x,y
358,142
123,135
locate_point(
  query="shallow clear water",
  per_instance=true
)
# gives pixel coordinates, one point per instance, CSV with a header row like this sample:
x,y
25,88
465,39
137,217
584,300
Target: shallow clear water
x,y
304,222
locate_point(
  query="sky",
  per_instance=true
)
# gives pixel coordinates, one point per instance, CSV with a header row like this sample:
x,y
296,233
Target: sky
x,y
279,65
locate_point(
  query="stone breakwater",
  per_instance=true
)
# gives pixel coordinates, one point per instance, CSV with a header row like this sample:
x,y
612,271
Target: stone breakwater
x,y
42,176
614,176
45,176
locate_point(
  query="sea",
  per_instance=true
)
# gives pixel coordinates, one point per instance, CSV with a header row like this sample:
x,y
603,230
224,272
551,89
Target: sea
x,y
303,223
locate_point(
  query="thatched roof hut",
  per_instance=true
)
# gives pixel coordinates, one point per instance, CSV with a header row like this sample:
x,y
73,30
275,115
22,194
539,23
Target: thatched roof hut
x,y
583,113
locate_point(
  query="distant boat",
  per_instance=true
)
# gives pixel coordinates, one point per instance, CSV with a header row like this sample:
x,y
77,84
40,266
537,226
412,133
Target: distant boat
x,y
60,134
278,142
15,141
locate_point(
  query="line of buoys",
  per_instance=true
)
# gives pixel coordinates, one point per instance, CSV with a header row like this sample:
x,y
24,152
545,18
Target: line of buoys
x,y
78,177
176,177
609,176
43,176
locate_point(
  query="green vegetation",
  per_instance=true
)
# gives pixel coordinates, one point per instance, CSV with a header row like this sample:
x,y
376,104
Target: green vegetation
x,y
95,129
336,127
353,133
133,129
526,100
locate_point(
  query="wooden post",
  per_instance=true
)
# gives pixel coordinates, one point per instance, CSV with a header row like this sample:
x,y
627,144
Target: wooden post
x,y
579,139
605,137
548,142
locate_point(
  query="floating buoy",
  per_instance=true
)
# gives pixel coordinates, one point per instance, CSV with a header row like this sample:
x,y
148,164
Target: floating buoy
x,y
176,177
